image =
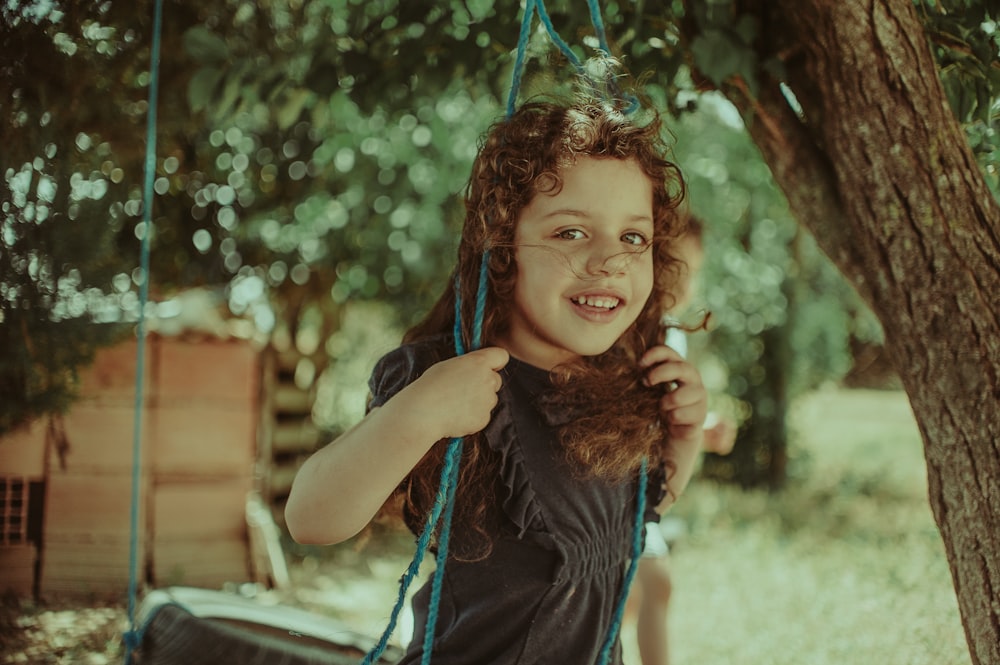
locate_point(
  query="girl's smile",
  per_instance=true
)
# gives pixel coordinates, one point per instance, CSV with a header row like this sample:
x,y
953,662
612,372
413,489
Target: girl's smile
x,y
584,266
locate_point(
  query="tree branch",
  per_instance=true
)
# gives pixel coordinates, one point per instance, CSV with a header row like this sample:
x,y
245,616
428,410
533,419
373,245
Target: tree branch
x,y
802,171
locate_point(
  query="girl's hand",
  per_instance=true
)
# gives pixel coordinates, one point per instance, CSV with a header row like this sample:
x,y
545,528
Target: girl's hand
x,y
685,401
684,406
455,397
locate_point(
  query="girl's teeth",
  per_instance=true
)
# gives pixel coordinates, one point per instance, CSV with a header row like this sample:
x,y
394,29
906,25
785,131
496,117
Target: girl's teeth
x,y
606,303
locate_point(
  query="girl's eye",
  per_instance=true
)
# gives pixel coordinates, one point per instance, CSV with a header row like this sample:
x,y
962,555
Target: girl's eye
x,y
570,234
634,238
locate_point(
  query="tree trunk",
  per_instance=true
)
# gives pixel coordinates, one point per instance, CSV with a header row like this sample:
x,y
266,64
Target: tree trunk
x,y
878,168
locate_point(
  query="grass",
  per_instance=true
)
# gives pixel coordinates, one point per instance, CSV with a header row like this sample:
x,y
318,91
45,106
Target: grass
x,y
843,566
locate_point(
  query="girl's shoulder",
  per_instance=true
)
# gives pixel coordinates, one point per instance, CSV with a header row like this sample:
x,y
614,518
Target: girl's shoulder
x,y
420,354
404,364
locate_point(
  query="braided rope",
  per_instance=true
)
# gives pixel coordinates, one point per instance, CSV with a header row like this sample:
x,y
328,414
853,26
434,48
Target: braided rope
x,y
640,512
411,572
133,638
543,16
522,42
445,499
444,502
598,21
452,465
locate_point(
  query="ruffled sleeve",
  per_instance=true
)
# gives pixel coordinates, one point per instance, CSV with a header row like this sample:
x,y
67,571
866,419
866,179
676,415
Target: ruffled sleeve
x,y
402,366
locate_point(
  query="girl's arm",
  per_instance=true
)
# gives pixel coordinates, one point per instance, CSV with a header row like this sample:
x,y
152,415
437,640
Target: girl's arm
x,y
684,406
340,487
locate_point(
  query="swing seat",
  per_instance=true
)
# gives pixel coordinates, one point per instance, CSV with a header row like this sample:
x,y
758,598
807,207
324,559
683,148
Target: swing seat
x,y
190,626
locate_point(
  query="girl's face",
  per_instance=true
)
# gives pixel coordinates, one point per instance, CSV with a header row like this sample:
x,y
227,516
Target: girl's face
x,y
584,262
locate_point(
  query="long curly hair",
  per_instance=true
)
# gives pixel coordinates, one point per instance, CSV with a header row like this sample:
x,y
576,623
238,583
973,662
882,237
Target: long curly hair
x,y
520,157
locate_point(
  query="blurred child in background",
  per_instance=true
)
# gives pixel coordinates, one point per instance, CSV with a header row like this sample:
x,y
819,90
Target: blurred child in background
x,y
653,585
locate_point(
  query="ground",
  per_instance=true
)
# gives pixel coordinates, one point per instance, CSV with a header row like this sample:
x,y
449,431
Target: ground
x,y
61,632
844,565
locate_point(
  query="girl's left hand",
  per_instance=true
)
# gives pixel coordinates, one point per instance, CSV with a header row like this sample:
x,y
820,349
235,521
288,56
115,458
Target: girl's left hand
x,y
685,400
684,406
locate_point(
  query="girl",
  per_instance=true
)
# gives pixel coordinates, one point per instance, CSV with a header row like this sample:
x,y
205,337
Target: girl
x,y
573,207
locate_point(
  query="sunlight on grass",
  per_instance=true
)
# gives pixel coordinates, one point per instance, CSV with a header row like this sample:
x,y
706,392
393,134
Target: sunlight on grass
x,y
844,566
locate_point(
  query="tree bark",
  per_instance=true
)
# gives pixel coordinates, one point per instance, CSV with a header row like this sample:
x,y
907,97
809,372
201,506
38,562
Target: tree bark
x,y
876,165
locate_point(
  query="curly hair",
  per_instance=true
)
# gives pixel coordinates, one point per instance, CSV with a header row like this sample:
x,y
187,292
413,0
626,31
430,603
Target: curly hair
x,y
520,157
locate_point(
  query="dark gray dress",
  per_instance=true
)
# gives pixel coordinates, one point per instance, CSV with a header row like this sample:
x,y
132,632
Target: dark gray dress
x,y
547,591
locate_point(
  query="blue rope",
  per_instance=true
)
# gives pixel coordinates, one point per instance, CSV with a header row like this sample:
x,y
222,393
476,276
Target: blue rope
x,y
132,638
440,502
457,330
598,21
602,38
640,513
450,472
452,464
556,39
444,501
477,321
423,543
522,44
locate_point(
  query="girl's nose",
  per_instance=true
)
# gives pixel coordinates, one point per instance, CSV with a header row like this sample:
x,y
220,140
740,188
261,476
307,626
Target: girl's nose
x,y
606,259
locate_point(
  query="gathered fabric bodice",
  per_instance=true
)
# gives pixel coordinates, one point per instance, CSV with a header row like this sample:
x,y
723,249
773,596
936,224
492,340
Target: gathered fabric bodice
x,y
547,590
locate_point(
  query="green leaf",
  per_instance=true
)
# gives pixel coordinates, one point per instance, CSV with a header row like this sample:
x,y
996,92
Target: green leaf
x,y
746,28
204,45
232,90
290,111
718,57
201,87
479,9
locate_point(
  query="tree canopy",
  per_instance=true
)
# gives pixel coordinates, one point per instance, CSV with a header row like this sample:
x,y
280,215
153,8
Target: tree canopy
x,y
314,151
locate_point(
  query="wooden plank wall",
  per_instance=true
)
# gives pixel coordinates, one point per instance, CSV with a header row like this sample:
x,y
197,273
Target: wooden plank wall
x,y
202,431
86,529
198,435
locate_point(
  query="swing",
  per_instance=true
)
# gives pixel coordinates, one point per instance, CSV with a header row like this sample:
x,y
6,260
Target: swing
x,y
171,619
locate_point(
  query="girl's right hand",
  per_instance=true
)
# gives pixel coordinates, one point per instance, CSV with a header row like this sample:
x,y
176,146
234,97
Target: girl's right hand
x,y
455,397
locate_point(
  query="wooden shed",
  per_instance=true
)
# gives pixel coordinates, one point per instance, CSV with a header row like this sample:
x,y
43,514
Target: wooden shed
x,y
66,483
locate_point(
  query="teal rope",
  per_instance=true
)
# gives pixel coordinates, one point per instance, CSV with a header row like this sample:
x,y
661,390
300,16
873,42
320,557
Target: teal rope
x,y
440,501
522,45
598,21
457,329
640,513
543,15
477,321
411,572
602,38
133,639
444,501
452,466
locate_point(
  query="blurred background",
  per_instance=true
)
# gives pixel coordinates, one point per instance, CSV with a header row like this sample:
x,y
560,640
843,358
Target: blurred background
x,y
310,160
